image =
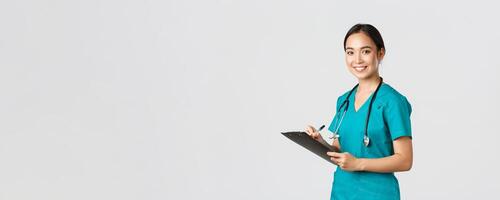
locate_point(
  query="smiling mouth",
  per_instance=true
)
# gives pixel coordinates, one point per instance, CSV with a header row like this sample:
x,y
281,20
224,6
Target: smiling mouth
x,y
360,68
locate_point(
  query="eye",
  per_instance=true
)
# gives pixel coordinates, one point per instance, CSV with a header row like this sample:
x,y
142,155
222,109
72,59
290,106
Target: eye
x,y
366,51
349,53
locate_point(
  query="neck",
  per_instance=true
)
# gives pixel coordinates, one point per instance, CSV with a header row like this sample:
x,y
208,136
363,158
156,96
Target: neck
x,y
369,84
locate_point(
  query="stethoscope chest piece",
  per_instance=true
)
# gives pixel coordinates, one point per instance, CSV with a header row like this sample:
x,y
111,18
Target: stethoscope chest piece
x,y
366,141
334,136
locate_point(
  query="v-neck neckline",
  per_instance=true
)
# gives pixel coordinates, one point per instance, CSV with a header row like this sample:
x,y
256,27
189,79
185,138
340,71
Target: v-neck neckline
x,y
363,104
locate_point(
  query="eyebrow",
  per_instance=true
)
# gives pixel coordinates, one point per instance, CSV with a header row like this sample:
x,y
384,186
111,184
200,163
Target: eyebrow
x,y
361,47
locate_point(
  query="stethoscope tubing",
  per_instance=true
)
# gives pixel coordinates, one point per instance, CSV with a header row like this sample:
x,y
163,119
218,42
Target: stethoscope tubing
x,y
345,104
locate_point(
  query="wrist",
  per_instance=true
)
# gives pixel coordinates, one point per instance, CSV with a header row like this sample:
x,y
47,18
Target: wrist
x,y
361,164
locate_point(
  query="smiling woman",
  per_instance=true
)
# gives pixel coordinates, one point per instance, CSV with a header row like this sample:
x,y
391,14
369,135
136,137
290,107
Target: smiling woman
x,y
372,128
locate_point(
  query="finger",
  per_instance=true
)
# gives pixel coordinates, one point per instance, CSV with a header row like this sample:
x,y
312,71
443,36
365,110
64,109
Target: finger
x,y
308,131
346,155
334,160
314,135
311,128
335,154
337,162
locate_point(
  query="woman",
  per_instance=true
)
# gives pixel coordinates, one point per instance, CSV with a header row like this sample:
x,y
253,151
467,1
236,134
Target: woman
x,y
371,129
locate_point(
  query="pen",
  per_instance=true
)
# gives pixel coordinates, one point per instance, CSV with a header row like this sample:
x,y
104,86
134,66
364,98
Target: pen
x,y
321,128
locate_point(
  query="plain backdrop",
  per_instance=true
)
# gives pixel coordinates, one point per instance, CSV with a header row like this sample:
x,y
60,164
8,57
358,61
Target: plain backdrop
x,y
185,99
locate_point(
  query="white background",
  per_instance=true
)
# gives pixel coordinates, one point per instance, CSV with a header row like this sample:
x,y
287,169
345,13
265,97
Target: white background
x,y
108,99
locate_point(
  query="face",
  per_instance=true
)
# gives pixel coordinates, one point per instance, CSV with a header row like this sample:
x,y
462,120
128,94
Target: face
x,y
362,57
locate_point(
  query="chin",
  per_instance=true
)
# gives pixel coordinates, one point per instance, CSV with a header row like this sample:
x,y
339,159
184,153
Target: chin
x,y
363,76
360,75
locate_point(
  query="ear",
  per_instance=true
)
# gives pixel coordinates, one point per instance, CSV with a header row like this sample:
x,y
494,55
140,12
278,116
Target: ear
x,y
381,54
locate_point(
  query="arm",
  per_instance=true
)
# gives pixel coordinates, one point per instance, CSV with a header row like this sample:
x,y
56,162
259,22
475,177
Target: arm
x,y
336,145
402,159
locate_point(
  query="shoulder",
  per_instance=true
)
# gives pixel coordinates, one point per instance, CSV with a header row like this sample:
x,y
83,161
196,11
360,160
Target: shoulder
x,y
389,93
343,96
389,96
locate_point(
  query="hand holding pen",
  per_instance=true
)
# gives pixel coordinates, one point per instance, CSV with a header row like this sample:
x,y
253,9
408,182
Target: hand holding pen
x,y
311,131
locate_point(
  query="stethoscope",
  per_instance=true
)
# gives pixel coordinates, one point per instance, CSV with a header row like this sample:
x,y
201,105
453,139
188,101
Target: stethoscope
x,y
345,104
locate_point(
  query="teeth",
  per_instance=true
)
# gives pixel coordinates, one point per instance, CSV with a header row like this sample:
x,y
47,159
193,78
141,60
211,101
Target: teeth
x,y
359,69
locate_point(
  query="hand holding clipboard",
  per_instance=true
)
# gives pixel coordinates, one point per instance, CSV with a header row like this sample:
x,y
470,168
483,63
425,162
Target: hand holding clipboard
x,y
312,141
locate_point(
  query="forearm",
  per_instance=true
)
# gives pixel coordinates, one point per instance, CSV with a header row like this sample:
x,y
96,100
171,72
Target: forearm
x,y
394,163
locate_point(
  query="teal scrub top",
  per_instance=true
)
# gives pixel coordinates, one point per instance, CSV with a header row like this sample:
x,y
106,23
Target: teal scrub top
x,y
389,120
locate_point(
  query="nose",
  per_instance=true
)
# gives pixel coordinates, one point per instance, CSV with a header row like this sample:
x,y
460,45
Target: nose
x,y
358,58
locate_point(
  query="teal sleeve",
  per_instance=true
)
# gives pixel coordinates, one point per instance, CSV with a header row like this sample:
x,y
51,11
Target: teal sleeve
x,y
397,117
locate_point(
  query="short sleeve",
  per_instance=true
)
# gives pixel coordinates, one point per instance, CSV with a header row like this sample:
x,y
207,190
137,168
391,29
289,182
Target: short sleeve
x,y
397,117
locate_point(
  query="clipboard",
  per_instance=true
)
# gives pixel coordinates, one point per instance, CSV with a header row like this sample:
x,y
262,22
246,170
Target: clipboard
x,y
306,141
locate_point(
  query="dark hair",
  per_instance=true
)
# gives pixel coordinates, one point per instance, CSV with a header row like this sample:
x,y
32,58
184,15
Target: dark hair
x,y
370,31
